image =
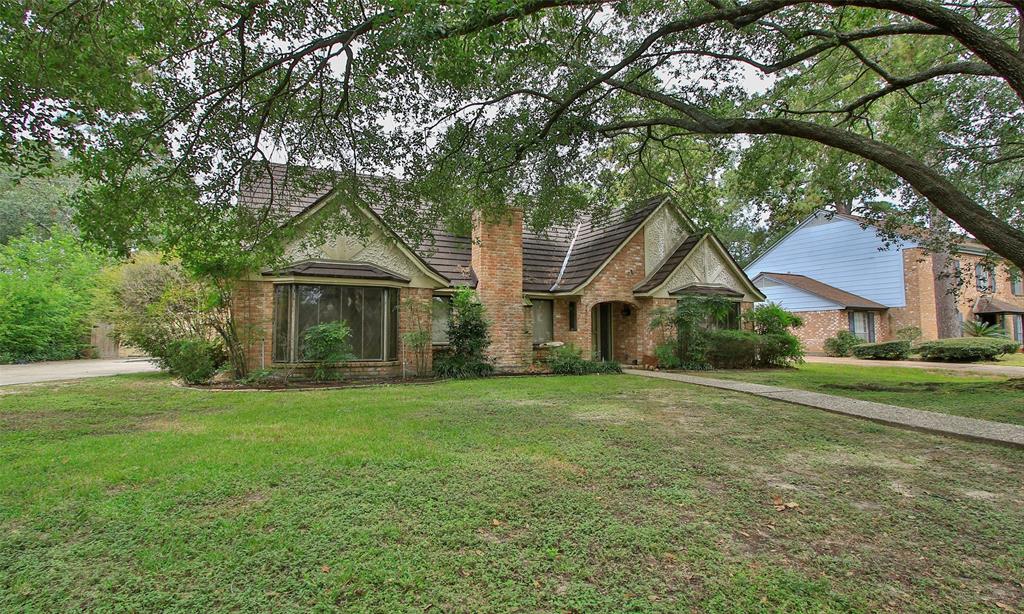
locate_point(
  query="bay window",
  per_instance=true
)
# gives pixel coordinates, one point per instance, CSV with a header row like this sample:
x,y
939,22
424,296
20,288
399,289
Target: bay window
x,y
370,312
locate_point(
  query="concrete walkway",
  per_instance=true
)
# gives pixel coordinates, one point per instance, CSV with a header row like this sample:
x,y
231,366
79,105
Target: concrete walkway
x,y
966,368
71,369
932,422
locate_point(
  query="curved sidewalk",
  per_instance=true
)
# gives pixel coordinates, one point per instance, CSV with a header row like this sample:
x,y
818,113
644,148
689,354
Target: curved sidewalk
x,y
929,421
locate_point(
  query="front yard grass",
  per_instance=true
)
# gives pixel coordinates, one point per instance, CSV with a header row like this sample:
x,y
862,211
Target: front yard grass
x,y
585,494
985,397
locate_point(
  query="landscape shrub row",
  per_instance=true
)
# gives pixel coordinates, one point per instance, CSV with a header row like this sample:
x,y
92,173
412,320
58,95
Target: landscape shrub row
x,y
568,360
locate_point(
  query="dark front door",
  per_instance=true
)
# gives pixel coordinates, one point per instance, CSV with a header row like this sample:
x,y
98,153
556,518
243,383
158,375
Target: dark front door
x,y
604,331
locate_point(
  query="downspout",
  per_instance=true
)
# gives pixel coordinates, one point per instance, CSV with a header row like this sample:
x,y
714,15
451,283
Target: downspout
x,y
565,261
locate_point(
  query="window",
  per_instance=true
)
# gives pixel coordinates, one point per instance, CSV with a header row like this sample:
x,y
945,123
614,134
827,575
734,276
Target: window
x,y
862,324
1018,327
441,310
1016,283
543,320
371,315
730,320
572,316
985,276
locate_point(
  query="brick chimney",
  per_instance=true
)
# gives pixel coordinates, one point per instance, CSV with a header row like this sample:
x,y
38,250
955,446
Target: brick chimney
x,y
497,259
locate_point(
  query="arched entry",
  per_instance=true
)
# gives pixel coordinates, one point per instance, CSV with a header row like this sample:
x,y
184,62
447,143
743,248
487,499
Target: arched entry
x,y
613,329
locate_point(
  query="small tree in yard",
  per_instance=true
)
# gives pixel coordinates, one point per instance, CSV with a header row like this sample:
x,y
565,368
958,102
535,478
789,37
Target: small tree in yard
x,y
468,339
772,319
418,314
327,345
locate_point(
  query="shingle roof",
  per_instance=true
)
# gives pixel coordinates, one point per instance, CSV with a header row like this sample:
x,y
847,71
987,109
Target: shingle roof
x,y
670,264
333,268
825,291
987,304
450,254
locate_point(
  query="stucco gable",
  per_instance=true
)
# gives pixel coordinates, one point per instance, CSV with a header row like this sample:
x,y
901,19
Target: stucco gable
x,y
706,264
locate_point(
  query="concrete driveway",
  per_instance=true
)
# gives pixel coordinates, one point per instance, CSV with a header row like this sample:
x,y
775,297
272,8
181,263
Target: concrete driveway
x,y
969,368
71,369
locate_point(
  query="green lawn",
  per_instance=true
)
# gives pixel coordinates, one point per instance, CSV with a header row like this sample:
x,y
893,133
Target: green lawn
x,y
989,398
600,493
1011,360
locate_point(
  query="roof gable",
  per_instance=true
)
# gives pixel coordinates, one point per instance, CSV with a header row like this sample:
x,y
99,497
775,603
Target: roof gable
x,y
700,260
832,294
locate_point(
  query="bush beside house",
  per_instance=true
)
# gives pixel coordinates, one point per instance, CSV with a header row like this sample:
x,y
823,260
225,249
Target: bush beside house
x,y
468,339
568,360
699,342
842,344
885,350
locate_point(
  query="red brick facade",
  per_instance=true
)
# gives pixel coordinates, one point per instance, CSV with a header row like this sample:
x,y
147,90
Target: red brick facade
x,y
497,261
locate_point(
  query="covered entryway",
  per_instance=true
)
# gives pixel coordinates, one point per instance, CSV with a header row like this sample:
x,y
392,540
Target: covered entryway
x,y
613,327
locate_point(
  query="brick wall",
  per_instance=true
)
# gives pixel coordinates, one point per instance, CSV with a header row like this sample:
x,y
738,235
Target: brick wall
x,y
497,259
919,282
253,308
969,293
820,325
414,314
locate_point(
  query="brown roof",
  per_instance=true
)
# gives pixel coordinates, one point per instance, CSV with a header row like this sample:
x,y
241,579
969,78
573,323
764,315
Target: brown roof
x,y
987,304
670,264
581,248
825,291
332,268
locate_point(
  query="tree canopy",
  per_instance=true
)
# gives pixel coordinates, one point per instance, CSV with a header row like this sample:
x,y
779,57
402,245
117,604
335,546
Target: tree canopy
x,y
556,106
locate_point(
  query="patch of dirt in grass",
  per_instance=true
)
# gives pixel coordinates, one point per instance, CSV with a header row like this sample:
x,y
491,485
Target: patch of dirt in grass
x,y
981,495
161,423
863,459
233,506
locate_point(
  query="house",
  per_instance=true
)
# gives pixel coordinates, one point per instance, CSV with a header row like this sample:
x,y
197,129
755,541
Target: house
x,y
593,284
838,273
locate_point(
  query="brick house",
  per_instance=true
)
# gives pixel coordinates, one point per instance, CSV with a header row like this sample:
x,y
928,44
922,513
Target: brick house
x,y
594,284
838,273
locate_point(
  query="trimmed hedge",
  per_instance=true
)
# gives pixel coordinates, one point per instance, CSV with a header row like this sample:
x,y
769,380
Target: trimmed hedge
x,y
967,349
886,350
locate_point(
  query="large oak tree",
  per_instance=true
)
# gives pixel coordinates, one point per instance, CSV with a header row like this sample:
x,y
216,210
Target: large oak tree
x,y
557,106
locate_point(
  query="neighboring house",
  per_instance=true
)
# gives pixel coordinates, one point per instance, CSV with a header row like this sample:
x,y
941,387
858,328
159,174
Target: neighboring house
x,y
838,273
596,286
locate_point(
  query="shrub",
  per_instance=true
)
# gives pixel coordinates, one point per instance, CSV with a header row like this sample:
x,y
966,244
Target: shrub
x,y
194,360
779,350
327,345
737,349
908,333
48,291
731,349
667,356
977,328
886,350
772,319
568,360
842,343
468,339
966,349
